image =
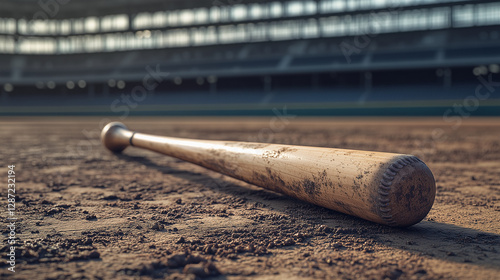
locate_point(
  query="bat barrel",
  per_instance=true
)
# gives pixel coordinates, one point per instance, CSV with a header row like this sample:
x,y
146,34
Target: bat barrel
x,y
387,188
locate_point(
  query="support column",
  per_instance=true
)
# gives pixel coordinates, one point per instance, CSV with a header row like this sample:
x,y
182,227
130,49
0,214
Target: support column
x,y
315,81
368,82
212,80
17,35
105,89
213,88
447,78
268,83
131,19
4,96
91,90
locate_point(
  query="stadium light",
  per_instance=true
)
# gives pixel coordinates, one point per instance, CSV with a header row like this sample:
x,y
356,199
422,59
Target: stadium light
x,y
8,87
51,85
70,84
82,83
494,68
120,84
480,70
111,83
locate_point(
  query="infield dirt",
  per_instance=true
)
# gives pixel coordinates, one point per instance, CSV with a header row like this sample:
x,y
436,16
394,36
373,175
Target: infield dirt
x,y
84,213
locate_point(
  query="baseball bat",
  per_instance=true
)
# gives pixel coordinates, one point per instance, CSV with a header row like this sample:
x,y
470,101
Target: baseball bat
x,y
386,188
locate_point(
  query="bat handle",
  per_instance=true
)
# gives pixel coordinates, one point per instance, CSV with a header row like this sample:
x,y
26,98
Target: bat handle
x,y
116,137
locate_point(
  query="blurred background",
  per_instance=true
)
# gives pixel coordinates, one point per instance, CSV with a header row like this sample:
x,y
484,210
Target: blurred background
x,y
234,57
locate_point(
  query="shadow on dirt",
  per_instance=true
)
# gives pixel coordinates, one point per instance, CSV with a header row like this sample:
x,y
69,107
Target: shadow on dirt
x,y
433,239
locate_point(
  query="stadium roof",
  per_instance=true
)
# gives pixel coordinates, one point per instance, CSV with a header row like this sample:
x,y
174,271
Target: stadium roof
x,y
61,9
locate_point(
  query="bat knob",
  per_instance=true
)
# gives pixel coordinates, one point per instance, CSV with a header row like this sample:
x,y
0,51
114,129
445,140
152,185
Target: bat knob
x,y
116,136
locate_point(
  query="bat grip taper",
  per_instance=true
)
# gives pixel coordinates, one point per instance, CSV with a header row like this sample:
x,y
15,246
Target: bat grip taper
x,y
116,137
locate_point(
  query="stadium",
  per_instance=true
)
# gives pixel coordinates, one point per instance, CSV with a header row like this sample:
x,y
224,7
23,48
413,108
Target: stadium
x,y
408,77
319,57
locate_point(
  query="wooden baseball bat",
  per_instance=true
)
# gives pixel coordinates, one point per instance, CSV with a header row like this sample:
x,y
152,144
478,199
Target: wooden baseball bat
x,y
386,188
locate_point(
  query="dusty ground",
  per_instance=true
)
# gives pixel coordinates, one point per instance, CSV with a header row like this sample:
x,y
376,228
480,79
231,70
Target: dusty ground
x,y
86,213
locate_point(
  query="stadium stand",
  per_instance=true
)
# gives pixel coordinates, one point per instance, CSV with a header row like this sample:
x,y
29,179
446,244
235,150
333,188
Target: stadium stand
x,y
246,56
